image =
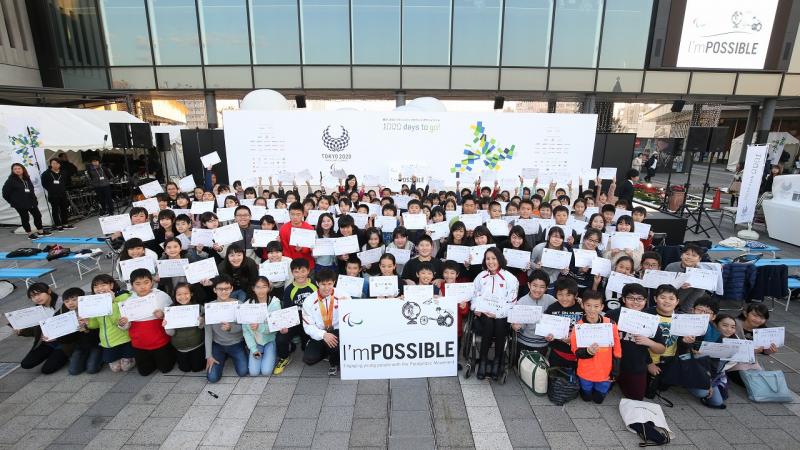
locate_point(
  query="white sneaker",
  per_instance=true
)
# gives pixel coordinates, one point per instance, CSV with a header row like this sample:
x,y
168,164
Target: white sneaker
x,y
115,366
127,364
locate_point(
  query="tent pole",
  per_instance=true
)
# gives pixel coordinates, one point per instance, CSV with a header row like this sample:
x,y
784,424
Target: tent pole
x,y
39,170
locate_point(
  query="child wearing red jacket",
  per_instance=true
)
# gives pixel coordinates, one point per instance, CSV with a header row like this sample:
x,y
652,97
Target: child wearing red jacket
x,y
151,344
597,366
285,233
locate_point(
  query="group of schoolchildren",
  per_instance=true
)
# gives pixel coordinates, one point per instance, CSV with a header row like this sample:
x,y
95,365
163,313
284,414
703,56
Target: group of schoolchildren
x,y
633,362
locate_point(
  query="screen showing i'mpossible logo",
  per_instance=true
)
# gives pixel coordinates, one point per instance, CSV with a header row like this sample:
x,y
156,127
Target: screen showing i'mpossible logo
x,y
730,34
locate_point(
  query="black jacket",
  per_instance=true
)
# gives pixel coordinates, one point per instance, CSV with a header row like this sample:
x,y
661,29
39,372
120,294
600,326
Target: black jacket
x,y
14,193
625,192
95,173
56,183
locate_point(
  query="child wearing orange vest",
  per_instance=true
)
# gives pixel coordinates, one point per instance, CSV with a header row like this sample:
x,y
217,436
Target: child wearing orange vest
x,y
597,366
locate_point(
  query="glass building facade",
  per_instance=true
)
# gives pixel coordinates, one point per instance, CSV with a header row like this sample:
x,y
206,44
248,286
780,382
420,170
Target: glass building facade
x,y
575,46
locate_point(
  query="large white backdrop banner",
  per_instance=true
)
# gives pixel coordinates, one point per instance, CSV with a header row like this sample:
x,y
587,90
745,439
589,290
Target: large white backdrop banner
x,y
751,182
397,339
428,145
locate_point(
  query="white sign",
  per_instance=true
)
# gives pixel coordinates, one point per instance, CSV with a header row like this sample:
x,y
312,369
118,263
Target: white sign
x,y
584,258
642,230
97,305
518,259
438,230
143,231
623,241
324,247
530,226
226,214
765,337
187,184
751,182
557,326
284,318
498,227
689,325
733,34
414,221
300,237
401,255
525,314
151,189
276,272
606,173
387,224
150,204
601,266
114,224
555,259
228,234
219,312
457,253
138,308
587,334
60,325
129,265
352,286
28,317
345,245
181,316
718,350
201,207
263,237
383,286
213,158
169,268
205,269
459,291
477,252
471,221
652,279
617,281
247,313
637,322
202,237
745,351
702,278
384,339
371,256
418,293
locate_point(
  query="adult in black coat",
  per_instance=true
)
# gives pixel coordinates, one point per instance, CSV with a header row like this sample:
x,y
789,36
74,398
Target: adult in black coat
x,y
19,193
625,189
56,180
67,167
650,167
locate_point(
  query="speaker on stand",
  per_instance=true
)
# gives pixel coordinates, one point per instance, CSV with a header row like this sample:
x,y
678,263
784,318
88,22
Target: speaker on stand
x,y
163,146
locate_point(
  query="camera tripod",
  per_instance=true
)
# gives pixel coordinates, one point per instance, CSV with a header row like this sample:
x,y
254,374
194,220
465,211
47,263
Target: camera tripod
x,y
697,215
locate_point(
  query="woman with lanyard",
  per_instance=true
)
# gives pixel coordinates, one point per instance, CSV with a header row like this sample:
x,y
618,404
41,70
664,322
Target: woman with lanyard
x,y
56,181
19,193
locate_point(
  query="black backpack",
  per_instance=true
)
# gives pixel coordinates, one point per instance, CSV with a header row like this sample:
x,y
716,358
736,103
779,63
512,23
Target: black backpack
x,y
21,252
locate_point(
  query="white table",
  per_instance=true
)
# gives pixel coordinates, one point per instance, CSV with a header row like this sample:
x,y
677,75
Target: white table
x,y
782,219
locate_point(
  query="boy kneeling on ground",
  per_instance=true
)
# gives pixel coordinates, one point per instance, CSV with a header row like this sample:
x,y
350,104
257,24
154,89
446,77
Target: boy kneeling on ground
x,y
321,322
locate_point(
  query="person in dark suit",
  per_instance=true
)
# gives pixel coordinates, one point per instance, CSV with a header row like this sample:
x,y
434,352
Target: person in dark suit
x,y
650,166
625,189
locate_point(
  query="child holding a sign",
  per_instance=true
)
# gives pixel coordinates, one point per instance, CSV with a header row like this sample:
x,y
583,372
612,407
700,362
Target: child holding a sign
x,y
598,365
666,303
625,225
86,354
555,241
566,305
188,341
259,340
636,348
321,323
536,296
690,257
48,352
295,294
115,341
224,340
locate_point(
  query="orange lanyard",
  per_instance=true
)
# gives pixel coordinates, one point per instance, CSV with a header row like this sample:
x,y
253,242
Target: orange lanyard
x,y
326,311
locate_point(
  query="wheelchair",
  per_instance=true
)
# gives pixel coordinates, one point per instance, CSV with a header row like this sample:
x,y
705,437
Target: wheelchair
x,y
471,344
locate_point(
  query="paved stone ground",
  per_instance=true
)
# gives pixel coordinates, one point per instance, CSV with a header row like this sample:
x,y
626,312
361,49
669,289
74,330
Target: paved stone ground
x,y
305,408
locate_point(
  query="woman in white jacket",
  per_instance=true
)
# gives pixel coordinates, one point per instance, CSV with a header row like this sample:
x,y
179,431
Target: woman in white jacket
x,y
495,291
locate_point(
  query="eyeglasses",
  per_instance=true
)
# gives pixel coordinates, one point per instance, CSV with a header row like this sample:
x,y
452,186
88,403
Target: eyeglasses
x,y
702,311
636,298
242,215
222,289
594,241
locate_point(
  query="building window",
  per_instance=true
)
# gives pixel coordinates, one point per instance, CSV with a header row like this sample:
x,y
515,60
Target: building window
x,y
625,31
476,32
275,32
125,29
376,31
173,24
526,32
223,26
576,33
426,32
325,25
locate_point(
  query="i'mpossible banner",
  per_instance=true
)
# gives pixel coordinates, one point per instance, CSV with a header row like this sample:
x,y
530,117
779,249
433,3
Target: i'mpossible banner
x,y
393,338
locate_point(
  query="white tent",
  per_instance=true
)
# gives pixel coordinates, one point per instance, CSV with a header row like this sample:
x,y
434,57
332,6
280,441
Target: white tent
x,y
791,146
55,129
174,158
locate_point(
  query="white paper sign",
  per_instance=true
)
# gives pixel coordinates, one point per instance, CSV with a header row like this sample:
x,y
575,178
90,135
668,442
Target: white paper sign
x,y
458,253
471,221
531,226
28,317
459,291
642,230
280,215
183,316
584,258
187,184
414,221
60,325
345,245
138,308
225,214
201,207
204,269
387,224
276,272
151,189
202,237
689,324
129,265
228,234
702,278
587,334
525,314
283,318
718,350
438,230
383,286
652,279
114,224
248,313
518,259
557,326
169,268
97,305
324,247
607,173
617,281
555,259
263,237
401,255
601,266
219,312
143,231
210,159
476,252
622,241
418,293
352,286
371,256
765,337
313,216
637,322
300,237
745,350
498,227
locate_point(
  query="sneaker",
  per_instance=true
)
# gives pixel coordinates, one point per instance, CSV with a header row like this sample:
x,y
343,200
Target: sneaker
x,y
281,365
69,227
33,236
704,401
585,396
333,371
127,364
45,233
59,229
115,366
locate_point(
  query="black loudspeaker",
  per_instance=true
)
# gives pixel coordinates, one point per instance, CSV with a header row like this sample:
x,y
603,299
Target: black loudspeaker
x,y
119,135
720,140
697,139
162,142
677,105
498,102
142,136
300,100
